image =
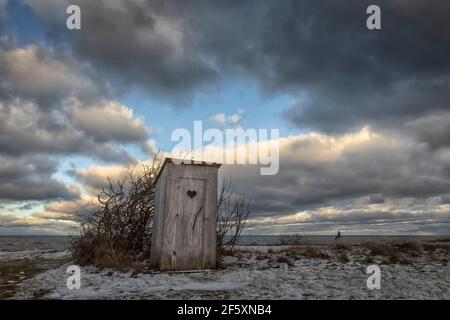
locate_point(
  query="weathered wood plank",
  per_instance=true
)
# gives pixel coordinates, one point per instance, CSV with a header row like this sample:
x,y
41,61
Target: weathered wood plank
x,y
185,218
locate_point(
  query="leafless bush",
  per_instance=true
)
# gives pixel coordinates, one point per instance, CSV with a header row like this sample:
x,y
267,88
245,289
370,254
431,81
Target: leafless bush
x,y
119,227
343,258
117,232
411,248
392,254
232,214
433,247
290,239
381,249
284,259
440,240
342,247
309,252
314,253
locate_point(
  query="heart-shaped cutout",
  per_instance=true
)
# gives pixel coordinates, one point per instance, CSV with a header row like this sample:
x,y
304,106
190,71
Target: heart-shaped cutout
x,y
191,193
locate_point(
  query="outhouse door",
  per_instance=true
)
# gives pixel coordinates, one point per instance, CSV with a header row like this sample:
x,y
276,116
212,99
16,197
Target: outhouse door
x,y
189,220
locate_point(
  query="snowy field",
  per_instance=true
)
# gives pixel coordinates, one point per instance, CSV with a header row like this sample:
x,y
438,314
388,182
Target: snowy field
x,y
301,272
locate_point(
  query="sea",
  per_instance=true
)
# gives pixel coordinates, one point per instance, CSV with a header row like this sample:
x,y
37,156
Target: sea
x,y
61,243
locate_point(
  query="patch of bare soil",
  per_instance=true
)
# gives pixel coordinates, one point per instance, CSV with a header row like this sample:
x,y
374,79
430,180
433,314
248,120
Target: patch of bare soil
x,y
14,272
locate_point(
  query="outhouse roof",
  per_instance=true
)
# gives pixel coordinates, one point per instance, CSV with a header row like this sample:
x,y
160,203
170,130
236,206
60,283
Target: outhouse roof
x,y
192,163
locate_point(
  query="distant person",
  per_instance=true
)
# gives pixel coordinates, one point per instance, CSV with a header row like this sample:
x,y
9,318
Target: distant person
x,y
338,236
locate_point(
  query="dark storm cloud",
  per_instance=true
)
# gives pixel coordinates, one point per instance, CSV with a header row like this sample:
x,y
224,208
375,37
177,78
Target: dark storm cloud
x,y
432,128
53,105
46,76
2,13
351,76
146,44
357,181
343,76
332,109
50,104
321,51
31,179
26,129
319,170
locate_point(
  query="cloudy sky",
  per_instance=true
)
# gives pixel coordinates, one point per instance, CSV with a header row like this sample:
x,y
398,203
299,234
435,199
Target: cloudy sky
x,y
364,115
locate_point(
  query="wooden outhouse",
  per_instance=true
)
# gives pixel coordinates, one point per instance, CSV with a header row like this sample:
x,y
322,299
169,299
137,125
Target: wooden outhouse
x,y
184,226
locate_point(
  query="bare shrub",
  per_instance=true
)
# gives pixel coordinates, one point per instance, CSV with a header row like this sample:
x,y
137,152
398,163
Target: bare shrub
x,y
442,247
381,250
284,259
290,239
392,254
342,247
232,214
119,227
311,252
262,257
411,248
369,260
291,251
343,258
222,252
118,230
308,252
441,240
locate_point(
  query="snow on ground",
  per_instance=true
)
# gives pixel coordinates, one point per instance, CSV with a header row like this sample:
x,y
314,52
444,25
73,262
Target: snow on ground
x,y
262,274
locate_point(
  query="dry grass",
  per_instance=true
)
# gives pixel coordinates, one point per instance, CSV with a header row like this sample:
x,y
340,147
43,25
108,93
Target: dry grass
x,y
117,231
413,249
312,252
290,240
219,262
306,252
404,253
392,254
102,253
138,268
222,252
446,240
342,247
343,258
284,259
437,247
377,249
